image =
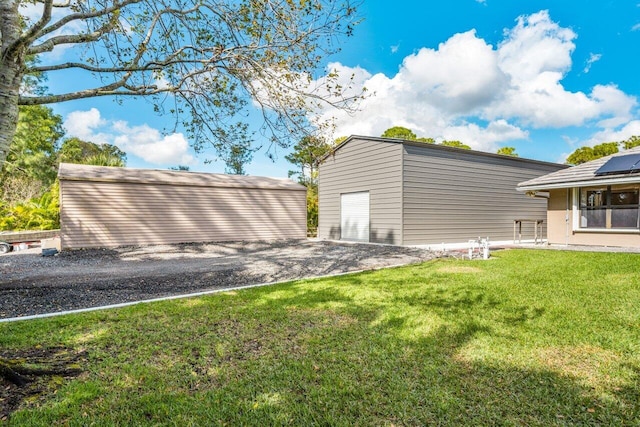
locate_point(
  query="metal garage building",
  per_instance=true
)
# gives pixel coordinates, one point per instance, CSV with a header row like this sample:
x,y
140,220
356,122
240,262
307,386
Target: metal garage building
x,y
412,193
109,207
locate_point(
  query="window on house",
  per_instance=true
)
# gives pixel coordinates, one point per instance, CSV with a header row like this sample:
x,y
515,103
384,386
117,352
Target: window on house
x,y
610,207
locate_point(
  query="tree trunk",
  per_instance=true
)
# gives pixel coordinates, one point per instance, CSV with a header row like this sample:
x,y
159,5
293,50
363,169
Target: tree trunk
x,y
11,69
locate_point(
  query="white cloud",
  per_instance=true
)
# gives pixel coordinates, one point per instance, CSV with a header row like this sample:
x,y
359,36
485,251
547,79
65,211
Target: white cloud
x,y
608,135
484,138
616,103
593,58
635,27
142,141
445,92
459,76
535,46
148,144
83,125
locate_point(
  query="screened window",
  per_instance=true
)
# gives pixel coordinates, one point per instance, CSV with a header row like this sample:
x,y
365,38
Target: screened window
x,y
610,207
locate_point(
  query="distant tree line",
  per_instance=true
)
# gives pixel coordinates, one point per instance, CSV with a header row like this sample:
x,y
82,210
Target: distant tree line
x,y
586,154
407,134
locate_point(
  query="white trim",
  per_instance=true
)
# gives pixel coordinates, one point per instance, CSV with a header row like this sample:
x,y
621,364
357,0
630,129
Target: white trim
x,y
575,195
608,230
592,182
465,245
576,218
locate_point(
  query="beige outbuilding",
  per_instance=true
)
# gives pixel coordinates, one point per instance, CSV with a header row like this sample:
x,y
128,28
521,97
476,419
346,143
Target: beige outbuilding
x,y
109,207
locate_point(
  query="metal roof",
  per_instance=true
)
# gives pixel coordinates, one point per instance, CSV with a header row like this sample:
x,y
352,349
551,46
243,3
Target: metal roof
x,y
435,147
73,172
584,174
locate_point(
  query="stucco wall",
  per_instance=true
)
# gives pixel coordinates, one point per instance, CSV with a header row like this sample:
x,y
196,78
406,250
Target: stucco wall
x,y
560,235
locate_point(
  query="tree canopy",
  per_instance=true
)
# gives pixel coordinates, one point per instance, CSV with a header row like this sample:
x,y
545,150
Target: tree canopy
x,y
456,144
632,142
507,151
75,150
586,153
306,156
404,133
399,132
32,153
204,62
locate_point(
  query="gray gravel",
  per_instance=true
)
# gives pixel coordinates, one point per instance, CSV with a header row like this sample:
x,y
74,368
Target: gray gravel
x,y
32,284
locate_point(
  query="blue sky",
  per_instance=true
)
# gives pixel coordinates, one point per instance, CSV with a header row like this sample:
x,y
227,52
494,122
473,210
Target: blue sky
x,y
543,76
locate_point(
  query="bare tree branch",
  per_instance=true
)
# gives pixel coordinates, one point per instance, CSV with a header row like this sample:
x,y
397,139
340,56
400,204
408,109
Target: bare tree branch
x,y
206,62
84,16
71,39
32,32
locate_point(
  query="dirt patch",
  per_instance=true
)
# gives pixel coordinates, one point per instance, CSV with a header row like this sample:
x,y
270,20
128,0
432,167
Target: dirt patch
x,y
31,284
585,362
29,376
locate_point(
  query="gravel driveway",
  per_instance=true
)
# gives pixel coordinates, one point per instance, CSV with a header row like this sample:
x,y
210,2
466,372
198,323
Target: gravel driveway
x,y
32,284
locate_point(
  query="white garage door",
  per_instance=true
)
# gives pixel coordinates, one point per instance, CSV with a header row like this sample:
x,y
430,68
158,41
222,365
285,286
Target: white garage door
x,y
354,216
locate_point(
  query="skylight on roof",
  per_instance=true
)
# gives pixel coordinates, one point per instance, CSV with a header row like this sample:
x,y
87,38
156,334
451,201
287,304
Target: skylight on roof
x,y
620,164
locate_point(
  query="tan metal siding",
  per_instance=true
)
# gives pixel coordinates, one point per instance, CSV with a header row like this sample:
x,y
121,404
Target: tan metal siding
x,y
73,172
109,214
454,196
363,165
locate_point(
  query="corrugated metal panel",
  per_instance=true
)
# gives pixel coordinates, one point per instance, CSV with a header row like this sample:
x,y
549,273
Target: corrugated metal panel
x,y
109,214
454,196
354,216
363,165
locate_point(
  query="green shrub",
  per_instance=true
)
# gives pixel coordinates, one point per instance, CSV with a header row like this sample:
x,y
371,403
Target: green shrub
x,y
312,211
40,213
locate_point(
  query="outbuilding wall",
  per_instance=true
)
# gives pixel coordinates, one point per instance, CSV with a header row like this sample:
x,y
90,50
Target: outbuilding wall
x,y
451,196
427,194
363,165
98,212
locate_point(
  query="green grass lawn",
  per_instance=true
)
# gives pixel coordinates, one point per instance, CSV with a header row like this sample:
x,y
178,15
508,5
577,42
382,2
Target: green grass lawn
x,y
526,338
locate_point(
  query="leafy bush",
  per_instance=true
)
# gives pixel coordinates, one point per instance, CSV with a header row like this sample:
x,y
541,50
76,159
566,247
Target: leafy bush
x,y
312,211
40,213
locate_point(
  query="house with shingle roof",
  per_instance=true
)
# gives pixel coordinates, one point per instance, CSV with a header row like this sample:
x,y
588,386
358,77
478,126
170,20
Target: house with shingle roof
x,y
595,203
